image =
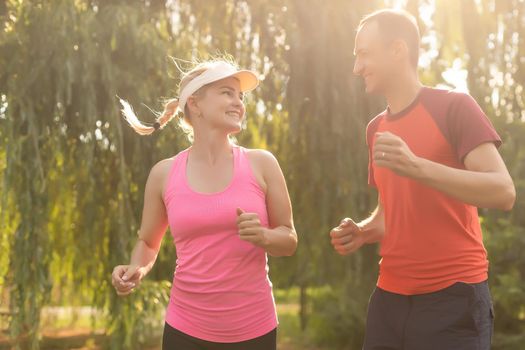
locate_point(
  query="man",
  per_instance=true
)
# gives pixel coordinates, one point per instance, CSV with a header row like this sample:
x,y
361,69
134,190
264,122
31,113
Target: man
x,y
434,160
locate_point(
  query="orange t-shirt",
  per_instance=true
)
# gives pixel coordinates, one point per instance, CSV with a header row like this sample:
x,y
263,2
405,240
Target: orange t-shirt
x,y
431,239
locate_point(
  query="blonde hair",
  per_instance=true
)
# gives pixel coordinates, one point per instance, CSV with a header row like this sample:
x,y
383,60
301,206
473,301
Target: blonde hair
x,y
170,105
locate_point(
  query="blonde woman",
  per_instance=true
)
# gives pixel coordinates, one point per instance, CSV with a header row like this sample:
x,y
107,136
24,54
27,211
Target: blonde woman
x,y
227,208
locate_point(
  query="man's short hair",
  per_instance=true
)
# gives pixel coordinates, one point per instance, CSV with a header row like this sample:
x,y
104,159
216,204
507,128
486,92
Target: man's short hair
x,y
397,24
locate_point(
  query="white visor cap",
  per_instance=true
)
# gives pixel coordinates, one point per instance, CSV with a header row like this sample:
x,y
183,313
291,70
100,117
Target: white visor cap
x,y
217,71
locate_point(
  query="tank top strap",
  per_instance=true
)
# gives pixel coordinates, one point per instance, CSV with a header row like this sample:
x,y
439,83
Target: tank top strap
x,y
178,168
243,167
237,163
176,173
245,171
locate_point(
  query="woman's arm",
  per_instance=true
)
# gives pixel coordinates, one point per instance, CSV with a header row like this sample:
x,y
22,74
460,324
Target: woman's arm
x,y
153,226
280,238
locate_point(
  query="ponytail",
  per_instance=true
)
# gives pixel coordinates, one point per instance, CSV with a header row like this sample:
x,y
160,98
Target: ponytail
x,y
129,115
170,107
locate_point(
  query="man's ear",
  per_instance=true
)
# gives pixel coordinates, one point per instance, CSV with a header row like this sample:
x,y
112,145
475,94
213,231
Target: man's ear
x,y
399,49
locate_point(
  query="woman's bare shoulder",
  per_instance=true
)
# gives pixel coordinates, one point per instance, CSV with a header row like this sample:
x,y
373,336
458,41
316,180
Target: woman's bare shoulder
x,y
162,167
261,157
158,176
160,171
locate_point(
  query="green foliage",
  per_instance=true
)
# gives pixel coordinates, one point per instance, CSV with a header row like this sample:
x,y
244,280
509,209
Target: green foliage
x,y
138,316
505,243
338,321
70,202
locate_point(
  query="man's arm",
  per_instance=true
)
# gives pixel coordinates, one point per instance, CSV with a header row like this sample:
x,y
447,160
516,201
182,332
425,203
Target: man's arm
x,y
349,236
372,229
484,183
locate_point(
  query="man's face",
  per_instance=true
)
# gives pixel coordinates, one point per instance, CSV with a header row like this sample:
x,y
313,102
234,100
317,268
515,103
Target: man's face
x,y
374,60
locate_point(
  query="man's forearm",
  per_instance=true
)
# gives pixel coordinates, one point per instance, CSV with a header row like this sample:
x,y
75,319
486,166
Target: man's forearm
x,y
373,228
481,189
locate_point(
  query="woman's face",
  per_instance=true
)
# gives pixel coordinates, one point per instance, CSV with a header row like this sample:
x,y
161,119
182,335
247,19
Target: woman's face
x,y
221,106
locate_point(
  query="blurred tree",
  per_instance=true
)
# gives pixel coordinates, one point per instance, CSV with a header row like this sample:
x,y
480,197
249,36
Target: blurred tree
x,y
71,197
494,38
328,160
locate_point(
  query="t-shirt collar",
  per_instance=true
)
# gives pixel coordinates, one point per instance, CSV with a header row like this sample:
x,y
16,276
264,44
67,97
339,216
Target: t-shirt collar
x,y
407,109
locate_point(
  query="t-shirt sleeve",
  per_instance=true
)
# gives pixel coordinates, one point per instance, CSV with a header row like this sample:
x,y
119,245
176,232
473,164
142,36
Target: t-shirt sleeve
x,y
469,126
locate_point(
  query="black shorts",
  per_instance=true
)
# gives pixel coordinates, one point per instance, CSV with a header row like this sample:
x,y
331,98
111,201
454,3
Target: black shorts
x,y
460,317
174,339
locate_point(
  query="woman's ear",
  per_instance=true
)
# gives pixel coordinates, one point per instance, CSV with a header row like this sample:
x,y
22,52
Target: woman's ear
x,y
192,105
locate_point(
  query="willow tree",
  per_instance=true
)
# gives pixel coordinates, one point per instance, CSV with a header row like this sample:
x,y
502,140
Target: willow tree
x,y
70,195
495,55
328,158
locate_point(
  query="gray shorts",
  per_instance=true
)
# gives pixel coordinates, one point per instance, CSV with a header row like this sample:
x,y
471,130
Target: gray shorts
x,y
460,317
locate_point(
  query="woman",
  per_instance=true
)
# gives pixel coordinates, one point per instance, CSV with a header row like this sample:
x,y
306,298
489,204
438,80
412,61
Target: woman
x,y
227,207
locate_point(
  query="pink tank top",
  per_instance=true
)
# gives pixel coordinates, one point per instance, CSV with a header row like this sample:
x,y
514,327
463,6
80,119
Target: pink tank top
x,y
221,291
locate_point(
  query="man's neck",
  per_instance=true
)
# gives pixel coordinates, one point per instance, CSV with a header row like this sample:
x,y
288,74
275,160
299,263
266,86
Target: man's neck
x,y
403,93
